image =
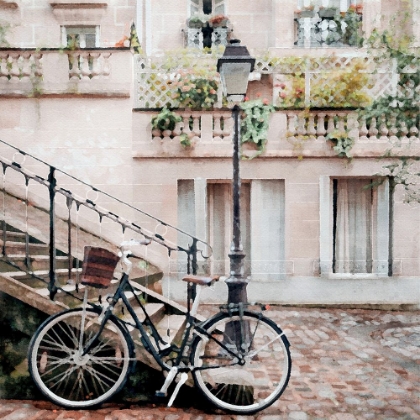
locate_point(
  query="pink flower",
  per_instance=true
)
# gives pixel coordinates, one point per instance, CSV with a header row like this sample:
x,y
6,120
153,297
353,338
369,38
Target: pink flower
x,y
246,98
283,95
265,101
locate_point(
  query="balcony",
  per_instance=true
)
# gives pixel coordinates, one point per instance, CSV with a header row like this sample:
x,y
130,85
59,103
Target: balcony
x,y
95,72
291,133
328,27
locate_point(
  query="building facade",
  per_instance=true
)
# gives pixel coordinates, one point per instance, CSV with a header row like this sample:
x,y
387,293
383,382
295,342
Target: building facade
x,y
77,94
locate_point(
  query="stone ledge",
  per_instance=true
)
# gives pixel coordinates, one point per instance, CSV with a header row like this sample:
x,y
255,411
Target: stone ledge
x,y
78,4
7,4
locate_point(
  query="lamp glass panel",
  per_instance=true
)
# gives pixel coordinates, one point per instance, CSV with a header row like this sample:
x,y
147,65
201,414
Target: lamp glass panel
x,y
235,78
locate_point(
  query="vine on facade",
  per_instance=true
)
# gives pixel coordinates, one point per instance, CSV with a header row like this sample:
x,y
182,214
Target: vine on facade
x,y
399,110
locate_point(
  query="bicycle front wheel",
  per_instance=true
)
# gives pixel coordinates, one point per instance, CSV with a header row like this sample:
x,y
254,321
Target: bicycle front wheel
x,y
66,376
241,363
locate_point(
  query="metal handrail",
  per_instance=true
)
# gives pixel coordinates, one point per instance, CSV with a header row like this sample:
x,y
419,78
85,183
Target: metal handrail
x,y
195,245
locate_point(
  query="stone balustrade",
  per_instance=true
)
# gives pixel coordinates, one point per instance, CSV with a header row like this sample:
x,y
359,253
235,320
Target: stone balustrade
x,y
103,72
291,134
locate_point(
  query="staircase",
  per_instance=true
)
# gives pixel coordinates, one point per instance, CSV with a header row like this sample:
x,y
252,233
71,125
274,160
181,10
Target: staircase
x,y
44,228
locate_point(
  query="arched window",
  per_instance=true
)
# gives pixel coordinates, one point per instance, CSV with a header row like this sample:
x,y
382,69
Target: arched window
x,y
208,7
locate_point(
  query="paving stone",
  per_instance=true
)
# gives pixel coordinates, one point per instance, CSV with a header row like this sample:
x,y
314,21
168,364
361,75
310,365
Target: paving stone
x,y
347,364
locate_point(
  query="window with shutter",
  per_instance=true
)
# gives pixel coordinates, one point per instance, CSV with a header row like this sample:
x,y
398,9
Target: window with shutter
x,y
208,7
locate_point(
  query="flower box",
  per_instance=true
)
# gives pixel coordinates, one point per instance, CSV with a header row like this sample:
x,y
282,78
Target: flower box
x,y
197,21
328,12
304,14
219,21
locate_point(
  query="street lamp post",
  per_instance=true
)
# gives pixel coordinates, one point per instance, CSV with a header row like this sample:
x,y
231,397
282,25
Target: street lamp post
x,y
234,67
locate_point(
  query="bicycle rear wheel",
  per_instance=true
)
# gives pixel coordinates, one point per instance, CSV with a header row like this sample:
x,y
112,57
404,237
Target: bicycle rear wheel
x,y
71,379
242,363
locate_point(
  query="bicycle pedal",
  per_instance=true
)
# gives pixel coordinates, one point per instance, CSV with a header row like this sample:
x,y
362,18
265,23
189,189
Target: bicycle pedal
x,y
169,379
160,394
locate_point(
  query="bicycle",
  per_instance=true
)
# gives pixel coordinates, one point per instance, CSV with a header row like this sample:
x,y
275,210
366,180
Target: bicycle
x,y
79,358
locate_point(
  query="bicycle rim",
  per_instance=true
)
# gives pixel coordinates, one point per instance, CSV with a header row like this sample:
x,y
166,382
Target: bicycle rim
x,y
247,388
67,377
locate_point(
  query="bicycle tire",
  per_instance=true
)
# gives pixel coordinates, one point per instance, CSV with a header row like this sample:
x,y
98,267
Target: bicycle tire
x,y
263,377
75,381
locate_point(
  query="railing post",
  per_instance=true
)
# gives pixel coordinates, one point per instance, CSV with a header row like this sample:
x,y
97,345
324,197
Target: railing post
x,y
192,267
51,189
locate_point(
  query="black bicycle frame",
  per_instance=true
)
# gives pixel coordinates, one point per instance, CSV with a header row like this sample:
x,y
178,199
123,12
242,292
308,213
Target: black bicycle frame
x,y
150,347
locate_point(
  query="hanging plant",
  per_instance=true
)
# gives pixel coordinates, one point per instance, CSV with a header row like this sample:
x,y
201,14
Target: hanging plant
x,y
254,123
165,120
342,143
185,140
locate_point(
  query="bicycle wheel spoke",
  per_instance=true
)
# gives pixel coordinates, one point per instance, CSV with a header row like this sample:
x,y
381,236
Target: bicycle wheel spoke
x,y
263,365
66,375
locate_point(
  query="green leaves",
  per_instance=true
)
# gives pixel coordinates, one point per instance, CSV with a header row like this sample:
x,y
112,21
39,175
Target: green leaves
x,y
342,143
254,123
165,120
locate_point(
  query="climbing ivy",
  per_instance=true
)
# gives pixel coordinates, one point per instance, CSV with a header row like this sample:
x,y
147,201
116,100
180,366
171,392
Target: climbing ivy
x,y
400,109
4,27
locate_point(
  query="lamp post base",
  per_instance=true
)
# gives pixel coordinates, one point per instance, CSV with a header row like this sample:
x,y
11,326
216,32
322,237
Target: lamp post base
x,y
236,283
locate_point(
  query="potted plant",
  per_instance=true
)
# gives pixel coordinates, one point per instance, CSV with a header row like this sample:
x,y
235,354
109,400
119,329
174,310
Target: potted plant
x,y
166,120
357,8
197,21
218,21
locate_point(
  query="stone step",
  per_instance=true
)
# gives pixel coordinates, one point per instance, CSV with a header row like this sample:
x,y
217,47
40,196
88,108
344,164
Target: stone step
x,y
13,236
156,312
36,262
61,276
171,328
19,248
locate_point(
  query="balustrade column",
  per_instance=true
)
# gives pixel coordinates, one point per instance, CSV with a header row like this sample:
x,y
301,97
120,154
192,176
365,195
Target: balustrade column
x,y
4,71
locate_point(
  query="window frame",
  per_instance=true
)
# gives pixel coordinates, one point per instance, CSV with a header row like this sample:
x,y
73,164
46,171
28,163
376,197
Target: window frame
x,y
382,233
80,30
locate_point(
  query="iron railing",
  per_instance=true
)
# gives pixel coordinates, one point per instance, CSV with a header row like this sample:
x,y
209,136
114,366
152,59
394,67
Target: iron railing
x,y
45,194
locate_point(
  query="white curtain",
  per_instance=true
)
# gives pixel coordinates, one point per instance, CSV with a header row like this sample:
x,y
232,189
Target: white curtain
x,y
220,230
353,228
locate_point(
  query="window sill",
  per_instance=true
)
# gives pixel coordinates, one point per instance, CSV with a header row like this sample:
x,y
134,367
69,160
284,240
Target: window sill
x,y
358,276
78,4
7,4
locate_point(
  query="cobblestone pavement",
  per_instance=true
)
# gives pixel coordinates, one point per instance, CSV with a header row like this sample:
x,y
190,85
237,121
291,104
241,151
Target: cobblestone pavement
x,y
347,365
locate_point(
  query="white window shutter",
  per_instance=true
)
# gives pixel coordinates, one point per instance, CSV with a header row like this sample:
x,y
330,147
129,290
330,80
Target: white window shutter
x,y
195,7
219,7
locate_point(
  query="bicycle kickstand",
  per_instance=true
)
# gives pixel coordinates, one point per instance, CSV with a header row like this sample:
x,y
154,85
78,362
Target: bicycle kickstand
x,y
169,379
182,380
